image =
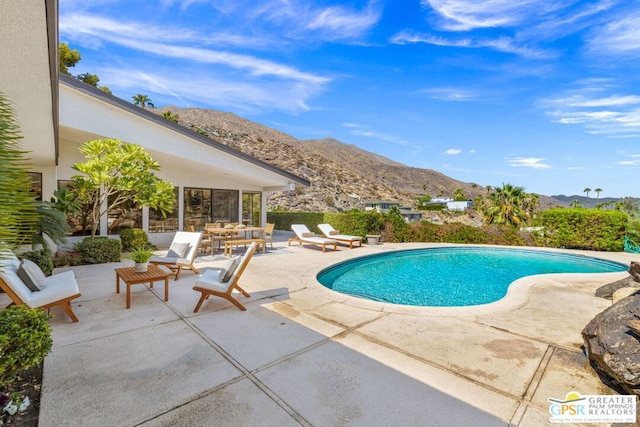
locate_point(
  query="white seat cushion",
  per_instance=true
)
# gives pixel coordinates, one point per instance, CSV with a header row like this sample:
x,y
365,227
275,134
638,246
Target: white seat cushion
x,y
59,286
210,280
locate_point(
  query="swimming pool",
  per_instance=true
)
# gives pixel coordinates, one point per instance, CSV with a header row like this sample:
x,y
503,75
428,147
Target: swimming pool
x,y
450,276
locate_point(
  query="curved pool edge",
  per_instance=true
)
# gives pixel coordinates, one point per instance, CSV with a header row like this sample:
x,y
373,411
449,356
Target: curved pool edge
x,y
517,295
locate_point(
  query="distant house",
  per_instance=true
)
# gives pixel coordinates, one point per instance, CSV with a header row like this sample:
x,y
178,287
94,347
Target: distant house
x,y
460,206
383,206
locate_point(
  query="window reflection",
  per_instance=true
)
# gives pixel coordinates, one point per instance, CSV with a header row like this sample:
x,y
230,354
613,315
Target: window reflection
x,y
160,224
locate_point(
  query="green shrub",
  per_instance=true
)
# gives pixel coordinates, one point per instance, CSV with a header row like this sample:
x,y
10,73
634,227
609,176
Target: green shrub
x,y
42,257
589,229
25,340
355,222
134,238
283,220
99,250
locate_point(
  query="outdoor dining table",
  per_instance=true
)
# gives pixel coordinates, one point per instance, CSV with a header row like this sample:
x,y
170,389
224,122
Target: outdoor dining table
x,y
250,233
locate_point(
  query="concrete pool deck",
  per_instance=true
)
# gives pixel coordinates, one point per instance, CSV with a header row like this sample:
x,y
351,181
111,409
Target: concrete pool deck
x,y
304,355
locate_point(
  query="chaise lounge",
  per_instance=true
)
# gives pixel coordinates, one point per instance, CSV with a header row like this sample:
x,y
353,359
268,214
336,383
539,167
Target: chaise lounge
x,y
303,235
56,290
181,254
332,233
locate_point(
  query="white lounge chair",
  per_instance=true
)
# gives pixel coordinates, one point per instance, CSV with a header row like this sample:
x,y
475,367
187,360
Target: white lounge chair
x,y
332,233
211,281
181,254
59,289
303,235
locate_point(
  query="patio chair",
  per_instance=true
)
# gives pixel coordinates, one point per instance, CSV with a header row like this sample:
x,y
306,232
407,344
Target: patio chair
x,y
182,253
303,235
332,233
57,290
268,233
212,282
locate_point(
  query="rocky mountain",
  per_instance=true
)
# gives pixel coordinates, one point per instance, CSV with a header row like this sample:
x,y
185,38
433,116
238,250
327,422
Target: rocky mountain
x,y
342,176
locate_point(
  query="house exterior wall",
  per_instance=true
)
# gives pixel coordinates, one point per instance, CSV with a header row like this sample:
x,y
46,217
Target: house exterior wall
x,y
25,76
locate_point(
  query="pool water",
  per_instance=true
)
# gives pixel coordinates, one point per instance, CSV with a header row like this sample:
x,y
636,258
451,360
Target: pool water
x,y
451,276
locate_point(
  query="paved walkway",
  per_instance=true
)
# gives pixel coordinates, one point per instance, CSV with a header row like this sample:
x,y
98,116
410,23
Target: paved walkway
x,y
304,355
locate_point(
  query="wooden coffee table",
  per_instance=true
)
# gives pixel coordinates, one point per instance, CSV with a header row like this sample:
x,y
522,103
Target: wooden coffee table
x,y
130,277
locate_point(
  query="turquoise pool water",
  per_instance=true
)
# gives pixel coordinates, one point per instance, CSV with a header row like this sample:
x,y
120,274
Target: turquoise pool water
x,y
451,276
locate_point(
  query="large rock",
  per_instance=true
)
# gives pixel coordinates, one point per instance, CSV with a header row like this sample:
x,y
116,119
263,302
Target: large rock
x,y
612,347
633,281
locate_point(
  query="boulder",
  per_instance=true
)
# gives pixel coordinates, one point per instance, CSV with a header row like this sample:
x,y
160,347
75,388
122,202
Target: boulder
x,y
613,349
633,281
623,293
634,271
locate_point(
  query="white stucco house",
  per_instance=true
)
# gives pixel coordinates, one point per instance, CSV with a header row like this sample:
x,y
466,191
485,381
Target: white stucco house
x,y
57,113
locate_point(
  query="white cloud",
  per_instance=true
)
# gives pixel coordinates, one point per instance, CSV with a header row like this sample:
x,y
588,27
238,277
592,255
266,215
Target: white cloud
x,y
223,92
501,44
528,162
635,160
620,36
453,151
601,113
361,130
451,94
137,36
464,15
305,20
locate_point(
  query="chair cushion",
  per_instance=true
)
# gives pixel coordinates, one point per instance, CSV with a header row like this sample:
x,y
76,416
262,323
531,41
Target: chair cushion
x,y
334,232
235,262
308,234
178,250
31,275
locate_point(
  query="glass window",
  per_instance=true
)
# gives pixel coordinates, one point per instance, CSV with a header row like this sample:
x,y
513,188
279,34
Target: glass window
x,y
79,222
225,205
197,208
125,215
160,224
251,204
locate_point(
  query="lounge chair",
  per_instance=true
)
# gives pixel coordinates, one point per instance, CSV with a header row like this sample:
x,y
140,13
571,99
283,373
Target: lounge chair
x,y
332,233
59,289
181,254
211,282
303,235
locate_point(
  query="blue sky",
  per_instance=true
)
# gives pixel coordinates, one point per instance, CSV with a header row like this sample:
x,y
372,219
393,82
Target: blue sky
x,y
542,94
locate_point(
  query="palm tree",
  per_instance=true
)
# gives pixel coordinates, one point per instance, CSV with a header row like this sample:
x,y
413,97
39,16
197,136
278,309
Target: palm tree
x,y
172,117
587,190
575,204
509,205
17,201
142,100
598,191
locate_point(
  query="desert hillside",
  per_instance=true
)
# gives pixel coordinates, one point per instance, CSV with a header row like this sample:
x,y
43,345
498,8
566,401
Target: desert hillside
x,y
342,176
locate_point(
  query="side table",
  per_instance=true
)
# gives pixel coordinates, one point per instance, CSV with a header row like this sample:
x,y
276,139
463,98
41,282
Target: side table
x,y
130,277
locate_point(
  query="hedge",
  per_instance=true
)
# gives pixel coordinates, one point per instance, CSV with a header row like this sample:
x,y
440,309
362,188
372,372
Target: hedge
x,y
590,229
354,222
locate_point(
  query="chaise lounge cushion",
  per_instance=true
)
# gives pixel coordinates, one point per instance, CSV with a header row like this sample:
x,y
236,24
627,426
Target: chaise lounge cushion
x,y
32,275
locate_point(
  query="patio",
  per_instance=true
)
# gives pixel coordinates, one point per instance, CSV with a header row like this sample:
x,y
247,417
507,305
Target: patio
x,y
304,355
